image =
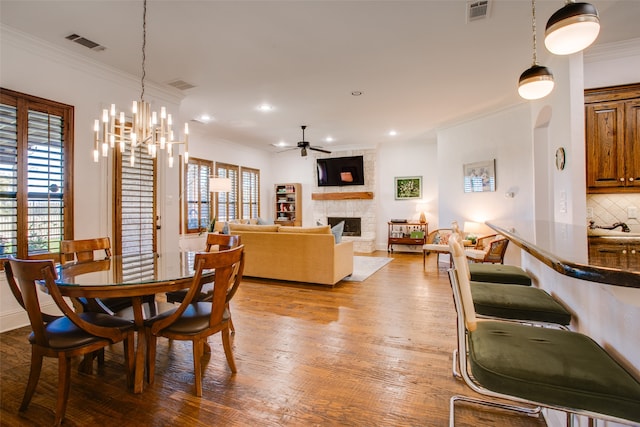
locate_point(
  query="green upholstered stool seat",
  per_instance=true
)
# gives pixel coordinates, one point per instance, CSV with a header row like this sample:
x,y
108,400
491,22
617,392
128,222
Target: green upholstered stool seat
x,y
499,273
517,303
552,367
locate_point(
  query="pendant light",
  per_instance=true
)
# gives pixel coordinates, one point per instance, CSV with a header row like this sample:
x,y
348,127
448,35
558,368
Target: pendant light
x,y
146,127
536,82
572,28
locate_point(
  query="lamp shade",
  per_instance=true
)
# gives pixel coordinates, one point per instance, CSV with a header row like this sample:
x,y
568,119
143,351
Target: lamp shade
x,y
219,185
572,28
535,83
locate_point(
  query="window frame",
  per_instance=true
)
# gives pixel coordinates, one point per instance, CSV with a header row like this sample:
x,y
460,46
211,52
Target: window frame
x,y
251,201
24,103
226,170
200,163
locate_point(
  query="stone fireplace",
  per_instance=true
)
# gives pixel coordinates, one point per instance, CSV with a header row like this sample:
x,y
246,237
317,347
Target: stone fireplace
x,y
351,202
352,226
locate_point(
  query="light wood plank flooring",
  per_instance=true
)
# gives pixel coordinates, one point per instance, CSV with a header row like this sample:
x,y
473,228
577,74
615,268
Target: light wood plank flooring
x,y
372,353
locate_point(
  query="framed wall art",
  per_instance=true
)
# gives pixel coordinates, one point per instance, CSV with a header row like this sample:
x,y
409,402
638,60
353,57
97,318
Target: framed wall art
x,y
408,187
480,176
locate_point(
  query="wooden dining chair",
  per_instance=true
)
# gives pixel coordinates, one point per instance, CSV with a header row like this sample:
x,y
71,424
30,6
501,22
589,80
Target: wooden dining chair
x,y
85,250
196,320
541,367
62,337
214,242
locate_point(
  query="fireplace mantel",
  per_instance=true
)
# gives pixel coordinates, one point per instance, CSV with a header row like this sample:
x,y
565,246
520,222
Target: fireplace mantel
x,y
358,195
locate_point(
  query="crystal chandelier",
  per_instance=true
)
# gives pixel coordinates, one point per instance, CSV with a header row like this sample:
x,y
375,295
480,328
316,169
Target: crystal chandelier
x,y
145,126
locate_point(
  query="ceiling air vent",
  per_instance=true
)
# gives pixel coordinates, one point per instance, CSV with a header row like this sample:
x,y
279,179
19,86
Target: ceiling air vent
x,y
85,42
477,10
181,84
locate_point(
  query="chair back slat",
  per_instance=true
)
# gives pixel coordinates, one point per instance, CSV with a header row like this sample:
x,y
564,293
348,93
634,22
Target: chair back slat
x,y
462,278
83,250
223,241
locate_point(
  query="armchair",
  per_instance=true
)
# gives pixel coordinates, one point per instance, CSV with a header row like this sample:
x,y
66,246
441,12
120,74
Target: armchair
x,y
489,249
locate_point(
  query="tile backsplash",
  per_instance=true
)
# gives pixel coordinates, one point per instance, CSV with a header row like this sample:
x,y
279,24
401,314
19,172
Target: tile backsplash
x,y
607,209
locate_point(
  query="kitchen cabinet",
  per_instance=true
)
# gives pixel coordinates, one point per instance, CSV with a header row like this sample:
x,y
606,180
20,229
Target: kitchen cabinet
x,y
612,135
620,253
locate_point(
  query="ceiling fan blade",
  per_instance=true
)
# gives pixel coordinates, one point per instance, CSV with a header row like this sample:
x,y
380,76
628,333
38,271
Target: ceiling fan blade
x,y
320,149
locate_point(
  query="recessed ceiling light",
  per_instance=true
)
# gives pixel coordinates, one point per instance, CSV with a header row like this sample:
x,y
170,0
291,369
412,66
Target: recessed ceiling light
x,y
357,93
329,139
392,133
205,118
265,107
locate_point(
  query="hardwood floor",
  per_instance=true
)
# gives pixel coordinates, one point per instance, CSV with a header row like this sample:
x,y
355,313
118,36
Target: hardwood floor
x,y
372,353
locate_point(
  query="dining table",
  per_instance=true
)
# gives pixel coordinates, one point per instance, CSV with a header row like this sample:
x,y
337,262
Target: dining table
x,y
134,276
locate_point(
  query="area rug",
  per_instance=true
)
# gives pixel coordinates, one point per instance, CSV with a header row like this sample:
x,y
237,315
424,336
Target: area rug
x,y
365,266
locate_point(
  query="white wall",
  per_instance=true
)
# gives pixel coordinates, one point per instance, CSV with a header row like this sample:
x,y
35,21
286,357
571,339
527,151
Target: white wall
x,y
505,136
400,158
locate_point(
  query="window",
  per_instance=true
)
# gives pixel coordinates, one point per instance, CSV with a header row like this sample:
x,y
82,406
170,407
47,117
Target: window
x,y
135,211
250,193
36,166
197,199
227,203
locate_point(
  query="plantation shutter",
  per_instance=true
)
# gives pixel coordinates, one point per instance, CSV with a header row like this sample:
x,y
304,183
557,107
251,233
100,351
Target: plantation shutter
x,y
227,202
36,204
198,203
250,193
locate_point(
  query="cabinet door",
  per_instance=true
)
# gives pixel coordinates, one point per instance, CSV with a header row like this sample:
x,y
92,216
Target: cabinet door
x,y
605,149
632,142
604,254
633,257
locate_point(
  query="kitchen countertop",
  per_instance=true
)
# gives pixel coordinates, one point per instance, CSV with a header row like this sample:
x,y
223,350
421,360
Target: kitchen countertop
x,y
564,248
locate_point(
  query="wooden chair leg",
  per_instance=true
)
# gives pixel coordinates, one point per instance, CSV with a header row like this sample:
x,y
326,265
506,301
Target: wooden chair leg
x,y
151,357
129,358
34,376
64,381
226,343
198,346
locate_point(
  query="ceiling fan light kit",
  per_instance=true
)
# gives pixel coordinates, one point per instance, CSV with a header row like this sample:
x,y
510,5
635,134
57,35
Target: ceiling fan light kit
x,y
572,28
303,145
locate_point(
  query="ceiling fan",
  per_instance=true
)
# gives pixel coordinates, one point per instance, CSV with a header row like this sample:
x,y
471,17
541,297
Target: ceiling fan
x,y
303,145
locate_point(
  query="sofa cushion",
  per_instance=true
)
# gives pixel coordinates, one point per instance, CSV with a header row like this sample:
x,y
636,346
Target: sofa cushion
x,y
324,229
250,227
337,230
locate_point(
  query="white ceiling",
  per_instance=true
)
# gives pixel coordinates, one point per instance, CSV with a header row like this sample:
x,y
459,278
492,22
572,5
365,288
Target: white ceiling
x,y
419,64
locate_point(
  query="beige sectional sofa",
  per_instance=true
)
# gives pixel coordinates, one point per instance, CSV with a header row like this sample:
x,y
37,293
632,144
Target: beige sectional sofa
x,y
300,254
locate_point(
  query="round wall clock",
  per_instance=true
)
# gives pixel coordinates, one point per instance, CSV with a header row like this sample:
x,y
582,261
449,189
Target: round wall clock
x,y
560,158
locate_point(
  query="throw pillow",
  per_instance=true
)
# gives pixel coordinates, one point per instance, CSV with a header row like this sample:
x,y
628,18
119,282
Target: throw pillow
x,y
436,239
337,230
264,222
444,239
225,228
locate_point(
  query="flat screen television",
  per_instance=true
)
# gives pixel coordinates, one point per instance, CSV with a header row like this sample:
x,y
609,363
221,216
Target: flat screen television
x,y
339,171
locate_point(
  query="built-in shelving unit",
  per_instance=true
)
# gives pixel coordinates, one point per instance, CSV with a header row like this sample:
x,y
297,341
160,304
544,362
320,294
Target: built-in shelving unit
x,y
288,201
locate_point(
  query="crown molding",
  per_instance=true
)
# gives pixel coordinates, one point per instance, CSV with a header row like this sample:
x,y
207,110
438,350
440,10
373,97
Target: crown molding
x,y
615,50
